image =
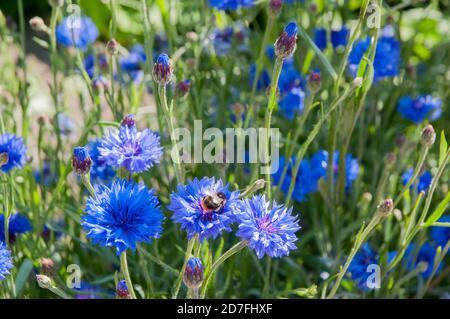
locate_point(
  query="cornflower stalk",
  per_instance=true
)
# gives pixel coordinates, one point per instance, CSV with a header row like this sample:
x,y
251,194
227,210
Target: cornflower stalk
x,y
126,274
187,255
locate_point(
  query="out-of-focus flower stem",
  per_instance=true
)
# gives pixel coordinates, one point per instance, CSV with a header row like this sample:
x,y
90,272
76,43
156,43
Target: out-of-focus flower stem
x,y
126,274
187,255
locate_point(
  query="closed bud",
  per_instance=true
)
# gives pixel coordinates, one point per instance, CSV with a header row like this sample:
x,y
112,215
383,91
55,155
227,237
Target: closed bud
x,y
367,197
4,159
129,120
385,207
81,161
237,109
428,136
44,281
47,266
275,7
390,160
112,47
183,88
162,70
287,41
314,81
193,274
122,291
37,24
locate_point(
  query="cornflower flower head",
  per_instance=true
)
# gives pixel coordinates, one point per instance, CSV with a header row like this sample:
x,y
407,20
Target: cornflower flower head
x,y
292,104
339,38
231,5
81,161
268,227
441,235
193,274
12,152
359,267
18,224
100,171
287,41
162,69
204,207
424,180
121,215
222,40
5,261
126,147
77,32
320,38
418,109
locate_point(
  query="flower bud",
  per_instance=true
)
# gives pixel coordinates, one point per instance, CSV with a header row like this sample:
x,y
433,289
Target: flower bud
x,y
385,207
81,161
237,109
287,41
275,7
122,291
193,274
44,282
129,120
112,47
47,266
390,160
314,81
397,214
4,159
162,70
37,24
183,88
428,136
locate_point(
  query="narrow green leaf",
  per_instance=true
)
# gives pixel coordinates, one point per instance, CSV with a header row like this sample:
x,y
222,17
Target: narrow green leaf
x,y
438,212
23,274
442,148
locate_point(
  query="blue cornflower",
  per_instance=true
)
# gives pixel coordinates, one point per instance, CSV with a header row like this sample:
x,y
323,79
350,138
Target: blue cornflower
x,y
46,177
12,152
137,151
292,104
286,43
358,268
290,77
387,57
162,69
270,52
76,31
5,261
131,65
426,254
263,79
419,108
269,228
339,38
121,215
81,160
424,179
18,224
320,38
122,291
205,207
441,235
222,40
66,124
100,171
92,62
88,291
232,5
193,274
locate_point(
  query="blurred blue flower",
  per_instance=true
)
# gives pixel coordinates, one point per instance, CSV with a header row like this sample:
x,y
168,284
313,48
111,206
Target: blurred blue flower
x,y
418,109
94,64
424,180
66,124
100,171
387,57
230,4
426,254
205,207
358,268
137,151
339,38
268,227
75,31
290,77
18,224
88,291
122,215
292,104
131,65
320,38
12,152
5,261
441,235
222,40
46,177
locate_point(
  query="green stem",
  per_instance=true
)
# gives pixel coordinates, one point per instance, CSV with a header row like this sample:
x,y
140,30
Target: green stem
x,y
187,255
126,274
230,252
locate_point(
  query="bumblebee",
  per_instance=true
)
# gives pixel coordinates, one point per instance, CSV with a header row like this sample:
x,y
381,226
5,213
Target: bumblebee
x,y
214,202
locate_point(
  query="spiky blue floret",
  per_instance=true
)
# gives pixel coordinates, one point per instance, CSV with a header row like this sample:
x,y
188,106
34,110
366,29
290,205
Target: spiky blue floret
x,y
387,57
339,38
230,4
100,171
18,224
122,215
15,150
292,104
187,210
268,227
424,180
426,254
77,32
137,151
441,235
418,109
320,38
5,261
291,29
358,268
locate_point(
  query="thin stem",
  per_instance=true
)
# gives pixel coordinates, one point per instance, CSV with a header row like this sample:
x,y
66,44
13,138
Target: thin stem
x,y
126,274
230,252
187,255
